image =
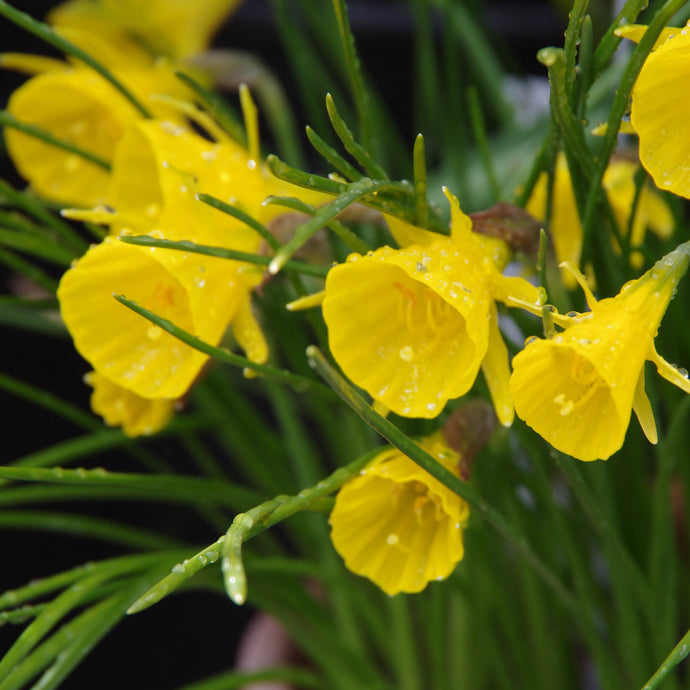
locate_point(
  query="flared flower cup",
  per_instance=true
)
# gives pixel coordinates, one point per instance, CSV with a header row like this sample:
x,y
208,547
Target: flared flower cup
x,y
397,525
413,326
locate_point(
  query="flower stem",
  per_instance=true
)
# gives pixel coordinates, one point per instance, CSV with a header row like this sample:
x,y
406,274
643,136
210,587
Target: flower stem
x,y
680,651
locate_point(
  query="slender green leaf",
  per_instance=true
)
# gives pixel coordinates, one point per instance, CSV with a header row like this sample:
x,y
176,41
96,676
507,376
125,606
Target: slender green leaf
x,y
352,241
332,156
8,120
36,208
679,652
86,526
354,192
296,677
238,213
221,253
172,488
359,152
480,136
361,97
224,355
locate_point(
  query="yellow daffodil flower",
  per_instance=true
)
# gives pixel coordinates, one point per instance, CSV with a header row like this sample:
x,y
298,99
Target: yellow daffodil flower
x,y
659,113
619,183
201,295
413,326
397,525
79,107
175,28
158,169
578,388
566,229
120,407
157,172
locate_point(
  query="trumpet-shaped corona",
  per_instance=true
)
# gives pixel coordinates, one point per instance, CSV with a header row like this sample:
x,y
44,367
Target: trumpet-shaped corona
x,y
413,326
397,525
578,388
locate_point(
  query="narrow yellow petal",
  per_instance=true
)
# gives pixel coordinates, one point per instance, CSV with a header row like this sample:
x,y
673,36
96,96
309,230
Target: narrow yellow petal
x,y
564,223
248,333
635,32
582,282
406,234
625,127
251,122
676,375
497,372
30,64
306,302
460,223
643,410
100,215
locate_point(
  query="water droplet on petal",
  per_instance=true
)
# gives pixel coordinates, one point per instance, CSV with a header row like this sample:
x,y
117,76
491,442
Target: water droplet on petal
x,y
406,353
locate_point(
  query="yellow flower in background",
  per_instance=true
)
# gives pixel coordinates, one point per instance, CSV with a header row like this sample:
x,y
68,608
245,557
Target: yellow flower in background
x,y
566,229
397,525
619,182
413,326
175,28
577,389
119,407
651,212
660,110
78,106
75,104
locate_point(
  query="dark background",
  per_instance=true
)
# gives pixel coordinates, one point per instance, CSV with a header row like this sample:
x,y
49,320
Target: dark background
x,y
155,649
